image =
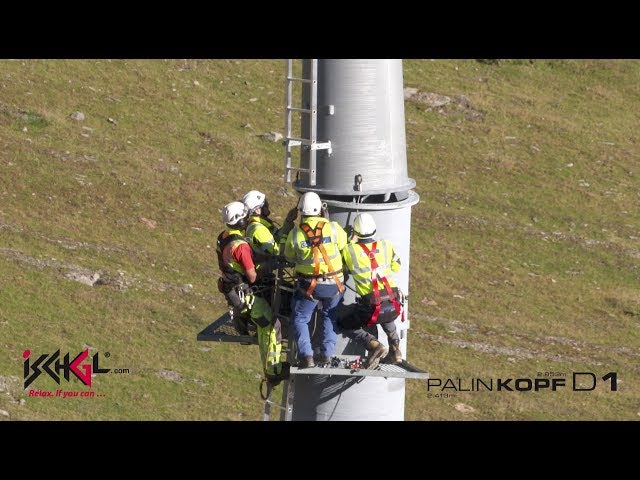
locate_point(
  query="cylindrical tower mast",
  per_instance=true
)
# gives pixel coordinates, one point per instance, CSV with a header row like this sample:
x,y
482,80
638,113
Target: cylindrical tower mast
x,y
359,109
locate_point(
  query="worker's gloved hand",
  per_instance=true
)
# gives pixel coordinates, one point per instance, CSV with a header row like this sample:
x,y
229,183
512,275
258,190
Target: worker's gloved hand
x,y
292,215
325,210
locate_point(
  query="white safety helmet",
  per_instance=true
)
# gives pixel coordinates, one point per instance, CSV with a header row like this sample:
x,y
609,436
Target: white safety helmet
x,y
364,226
310,204
254,199
233,212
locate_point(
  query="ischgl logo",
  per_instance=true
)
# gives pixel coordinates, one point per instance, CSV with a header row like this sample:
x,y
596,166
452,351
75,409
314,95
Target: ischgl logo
x,y
56,366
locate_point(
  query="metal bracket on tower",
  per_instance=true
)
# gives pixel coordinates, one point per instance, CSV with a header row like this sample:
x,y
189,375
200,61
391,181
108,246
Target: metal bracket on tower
x,y
322,146
312,142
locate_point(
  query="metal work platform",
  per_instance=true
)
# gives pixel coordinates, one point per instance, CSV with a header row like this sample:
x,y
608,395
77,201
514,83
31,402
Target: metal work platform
x,y
222,330
401,370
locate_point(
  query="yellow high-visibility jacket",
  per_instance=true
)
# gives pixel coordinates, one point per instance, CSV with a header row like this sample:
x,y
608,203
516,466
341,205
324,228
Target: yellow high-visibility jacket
x,y
297,249
261,235
358,264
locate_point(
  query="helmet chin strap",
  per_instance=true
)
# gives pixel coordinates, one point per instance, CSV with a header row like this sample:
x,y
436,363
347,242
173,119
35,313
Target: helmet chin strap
x,y
361,236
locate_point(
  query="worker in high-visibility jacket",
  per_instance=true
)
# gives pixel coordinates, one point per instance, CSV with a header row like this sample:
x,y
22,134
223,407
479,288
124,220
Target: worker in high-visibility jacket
x,y
264,236
238,274
370,263
314,246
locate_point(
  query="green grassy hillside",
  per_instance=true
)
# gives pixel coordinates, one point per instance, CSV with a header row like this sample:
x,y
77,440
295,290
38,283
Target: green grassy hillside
x,y
525,246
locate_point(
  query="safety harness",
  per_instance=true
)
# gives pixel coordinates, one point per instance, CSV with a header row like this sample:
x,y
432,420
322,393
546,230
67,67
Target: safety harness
x,y
315,242
374,281
221,244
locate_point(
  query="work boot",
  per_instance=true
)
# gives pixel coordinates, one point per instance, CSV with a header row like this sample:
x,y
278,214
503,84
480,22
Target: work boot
x,y
395,355
274,379
322,359
376,351
306,362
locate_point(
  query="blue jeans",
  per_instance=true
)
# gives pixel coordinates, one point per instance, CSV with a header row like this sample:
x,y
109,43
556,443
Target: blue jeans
x,y
303,308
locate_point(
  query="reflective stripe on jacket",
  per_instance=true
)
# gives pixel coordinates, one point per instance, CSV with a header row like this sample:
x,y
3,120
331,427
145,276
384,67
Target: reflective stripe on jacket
x,y
358,264
298,251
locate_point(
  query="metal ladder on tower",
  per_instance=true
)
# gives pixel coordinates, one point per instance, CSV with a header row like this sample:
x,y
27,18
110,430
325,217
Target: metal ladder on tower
x,y
312,110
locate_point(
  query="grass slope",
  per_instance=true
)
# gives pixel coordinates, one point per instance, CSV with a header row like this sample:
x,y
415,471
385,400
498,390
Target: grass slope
x,y
524,254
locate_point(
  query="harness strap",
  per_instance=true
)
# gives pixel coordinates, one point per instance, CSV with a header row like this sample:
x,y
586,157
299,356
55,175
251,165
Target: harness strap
x,y
323,276
315,240
376,291
316,268
222,243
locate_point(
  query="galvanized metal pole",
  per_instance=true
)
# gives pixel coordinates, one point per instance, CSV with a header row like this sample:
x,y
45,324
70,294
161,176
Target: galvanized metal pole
x,y
360,110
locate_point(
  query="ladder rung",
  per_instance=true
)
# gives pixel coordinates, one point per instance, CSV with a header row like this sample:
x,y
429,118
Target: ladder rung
x,y
296,109
296,79
275,404
294,142
311,143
